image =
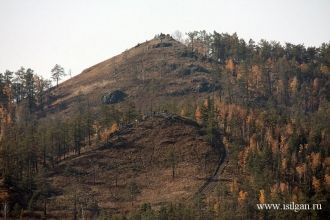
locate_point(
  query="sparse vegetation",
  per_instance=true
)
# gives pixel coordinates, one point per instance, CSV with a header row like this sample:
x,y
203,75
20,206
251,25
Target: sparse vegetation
x,y
65,154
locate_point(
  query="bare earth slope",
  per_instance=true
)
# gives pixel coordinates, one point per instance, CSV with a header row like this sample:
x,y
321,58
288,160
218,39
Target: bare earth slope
x,y
136,167
156,71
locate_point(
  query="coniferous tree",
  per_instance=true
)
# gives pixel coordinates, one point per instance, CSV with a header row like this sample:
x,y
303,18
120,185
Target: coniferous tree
x,y
57,73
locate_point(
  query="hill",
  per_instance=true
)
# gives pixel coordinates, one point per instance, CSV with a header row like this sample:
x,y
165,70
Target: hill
x,y
208,130
150,74
160,159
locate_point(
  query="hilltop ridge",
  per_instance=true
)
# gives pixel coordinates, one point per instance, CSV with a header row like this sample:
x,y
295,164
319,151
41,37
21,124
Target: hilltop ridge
x,y
158,69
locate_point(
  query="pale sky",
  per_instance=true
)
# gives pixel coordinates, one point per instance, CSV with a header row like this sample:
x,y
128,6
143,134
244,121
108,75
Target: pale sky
x,y
80,33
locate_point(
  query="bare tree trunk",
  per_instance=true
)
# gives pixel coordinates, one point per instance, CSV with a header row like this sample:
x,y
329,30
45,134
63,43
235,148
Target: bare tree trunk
x,y
94,176
5,210
45,208
75,208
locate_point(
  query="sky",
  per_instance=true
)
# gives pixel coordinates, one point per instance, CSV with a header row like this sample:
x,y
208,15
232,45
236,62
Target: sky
x,y
77,34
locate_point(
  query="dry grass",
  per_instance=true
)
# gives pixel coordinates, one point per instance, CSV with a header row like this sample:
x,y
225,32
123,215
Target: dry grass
x,y
144,160
151,77
143,72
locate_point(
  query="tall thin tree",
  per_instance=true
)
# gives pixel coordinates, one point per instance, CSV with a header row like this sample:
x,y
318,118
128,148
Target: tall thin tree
x,y
57,73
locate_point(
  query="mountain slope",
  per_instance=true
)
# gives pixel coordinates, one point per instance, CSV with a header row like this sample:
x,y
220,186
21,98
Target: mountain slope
x,y
151,72
163,158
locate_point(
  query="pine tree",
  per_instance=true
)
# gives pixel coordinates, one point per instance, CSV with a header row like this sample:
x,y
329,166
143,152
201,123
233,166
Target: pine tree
x,y
57,73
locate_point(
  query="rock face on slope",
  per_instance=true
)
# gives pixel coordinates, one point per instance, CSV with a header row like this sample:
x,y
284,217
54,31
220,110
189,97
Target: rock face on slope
x,y
156,71
113,97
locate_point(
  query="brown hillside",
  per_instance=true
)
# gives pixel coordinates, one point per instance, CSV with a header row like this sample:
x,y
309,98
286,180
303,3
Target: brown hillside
x,y
135,167
156,71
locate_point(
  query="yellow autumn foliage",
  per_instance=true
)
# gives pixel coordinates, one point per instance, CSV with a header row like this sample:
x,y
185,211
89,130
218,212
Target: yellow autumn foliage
x,y
284,147
114,127
242,158
183,112
316,184
289,129
294,198
96,128
284,187
256,76
230,66
273,191
253,142
294,85
327,180
316,85
206,103
216,207
242,197
198,114
325,69
108,131
262,196
284,163
315,160
249,119
301,169
271,141
304,67
234,186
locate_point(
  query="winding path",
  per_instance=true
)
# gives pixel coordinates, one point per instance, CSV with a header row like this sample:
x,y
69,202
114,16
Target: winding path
x,y
212,181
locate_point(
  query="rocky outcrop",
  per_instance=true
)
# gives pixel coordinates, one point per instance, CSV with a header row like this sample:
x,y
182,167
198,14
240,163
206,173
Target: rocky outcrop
x,y
113,97
192,69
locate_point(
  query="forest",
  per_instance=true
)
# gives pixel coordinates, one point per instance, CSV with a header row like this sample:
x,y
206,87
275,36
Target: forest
x,y
272,108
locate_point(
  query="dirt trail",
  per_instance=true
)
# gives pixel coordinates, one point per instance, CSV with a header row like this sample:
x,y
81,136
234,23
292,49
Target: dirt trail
x,y
212,181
